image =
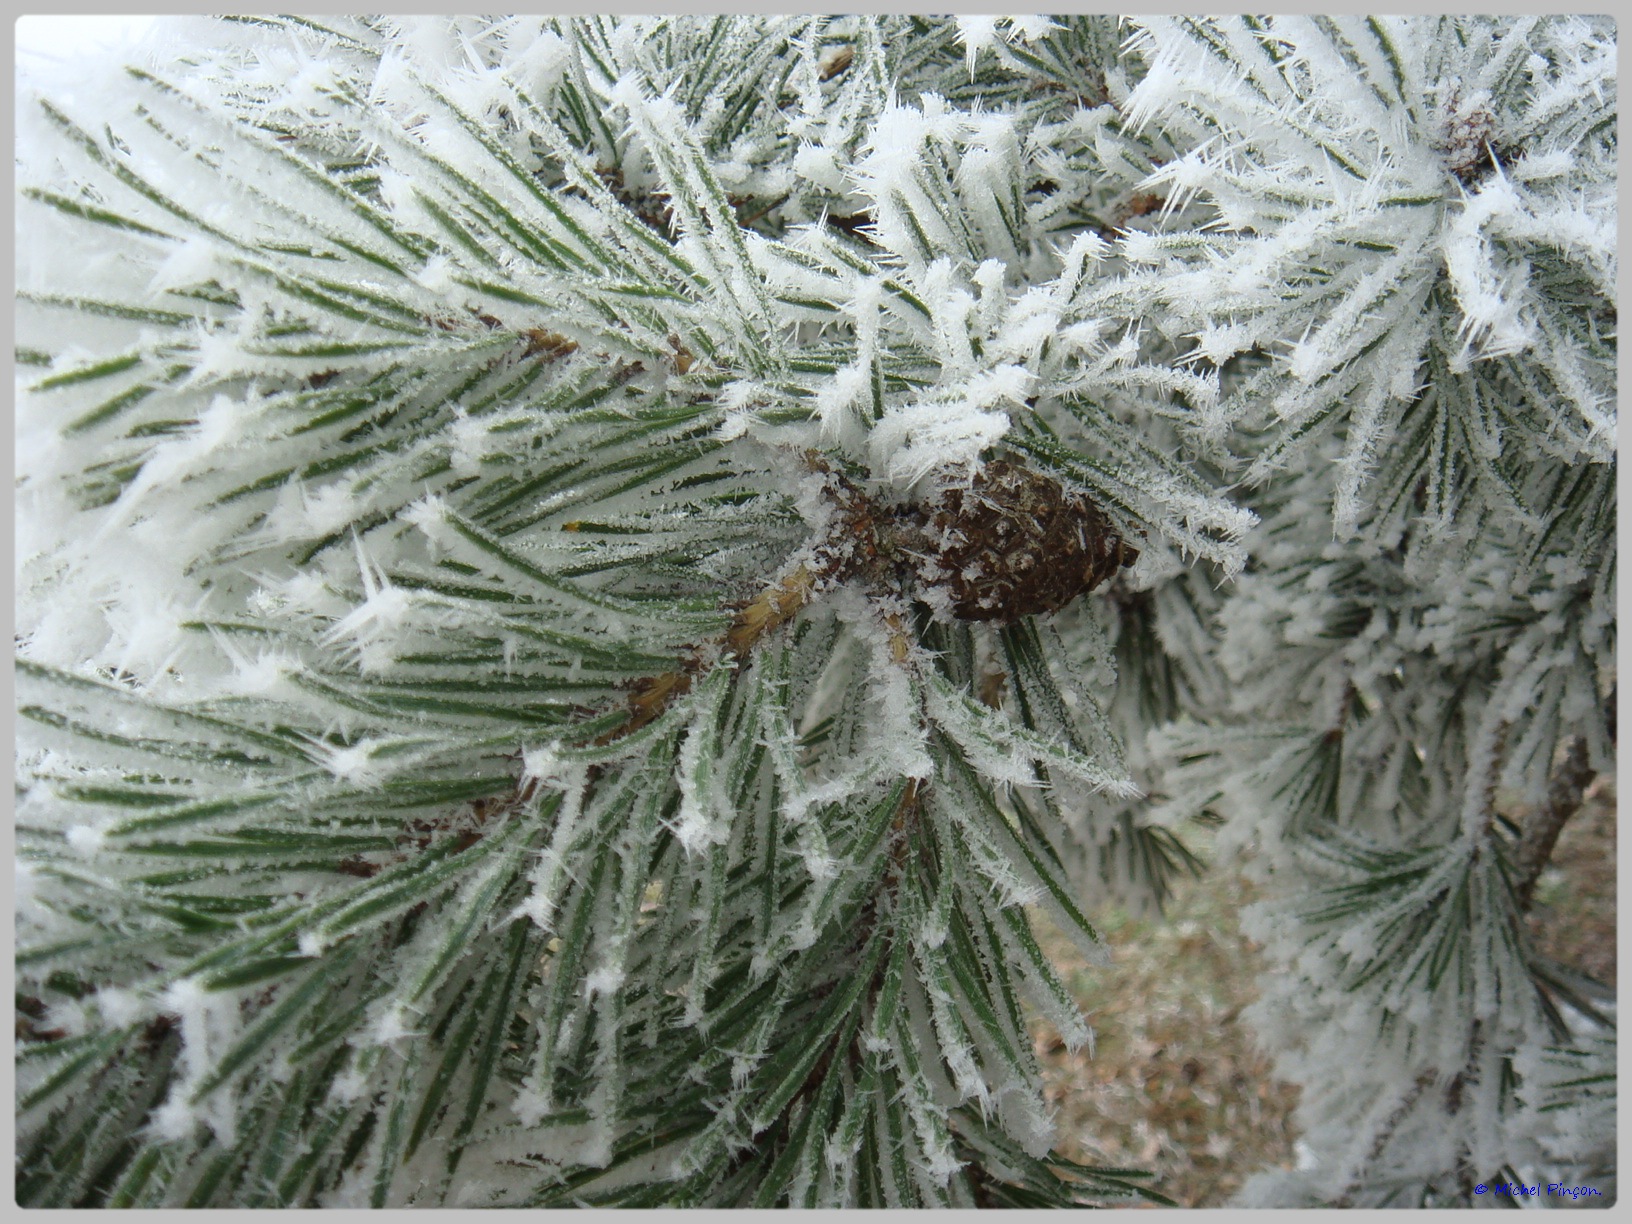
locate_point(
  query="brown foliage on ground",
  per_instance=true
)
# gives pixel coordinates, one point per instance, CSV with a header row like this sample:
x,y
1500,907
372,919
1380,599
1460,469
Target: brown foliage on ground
x,y
1573,919
1175,1083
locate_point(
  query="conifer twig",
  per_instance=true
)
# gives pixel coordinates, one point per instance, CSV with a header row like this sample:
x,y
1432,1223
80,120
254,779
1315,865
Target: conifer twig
x,y
1379,1142
1565,791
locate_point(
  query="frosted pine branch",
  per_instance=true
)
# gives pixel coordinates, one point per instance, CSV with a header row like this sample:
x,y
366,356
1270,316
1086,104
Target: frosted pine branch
x,y
582,580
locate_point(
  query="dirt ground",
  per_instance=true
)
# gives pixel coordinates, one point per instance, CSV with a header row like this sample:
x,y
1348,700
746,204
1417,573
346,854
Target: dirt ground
x,y
1573,919
1175,1083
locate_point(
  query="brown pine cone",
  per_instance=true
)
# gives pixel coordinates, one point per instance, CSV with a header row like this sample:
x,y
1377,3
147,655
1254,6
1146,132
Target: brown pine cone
x,y
1016,544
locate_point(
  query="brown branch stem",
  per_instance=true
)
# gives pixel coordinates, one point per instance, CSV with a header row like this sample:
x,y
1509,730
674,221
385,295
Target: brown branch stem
x,y
1565,791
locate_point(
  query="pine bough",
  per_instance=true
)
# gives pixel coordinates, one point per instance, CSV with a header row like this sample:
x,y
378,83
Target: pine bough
x,y
484,738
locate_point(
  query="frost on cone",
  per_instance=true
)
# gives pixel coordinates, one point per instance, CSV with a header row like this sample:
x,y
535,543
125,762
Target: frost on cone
x,y
1016,544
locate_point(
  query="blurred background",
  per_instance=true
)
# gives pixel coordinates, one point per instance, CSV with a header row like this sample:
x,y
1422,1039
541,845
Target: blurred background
x,y
1175,1083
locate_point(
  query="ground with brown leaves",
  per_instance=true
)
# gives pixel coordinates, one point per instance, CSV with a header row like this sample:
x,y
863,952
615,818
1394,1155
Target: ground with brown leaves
x,y
1176,1084
1573,919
